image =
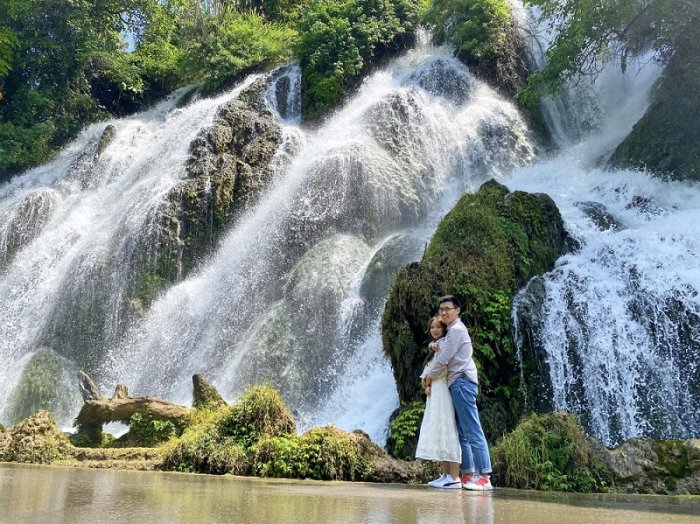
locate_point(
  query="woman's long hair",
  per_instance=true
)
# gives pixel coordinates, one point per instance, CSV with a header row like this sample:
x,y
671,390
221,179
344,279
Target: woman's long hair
x,y
431,353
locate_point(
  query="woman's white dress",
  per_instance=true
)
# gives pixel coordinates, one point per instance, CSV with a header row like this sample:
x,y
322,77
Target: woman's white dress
x,y
438,438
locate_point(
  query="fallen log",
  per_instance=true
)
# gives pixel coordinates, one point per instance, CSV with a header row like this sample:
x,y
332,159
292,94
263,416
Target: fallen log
x,y
98,410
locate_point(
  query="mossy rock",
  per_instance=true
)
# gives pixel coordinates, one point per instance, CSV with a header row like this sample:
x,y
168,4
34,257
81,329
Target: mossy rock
x,y
487,248
46,384
35,440
550,452
666,140
204,394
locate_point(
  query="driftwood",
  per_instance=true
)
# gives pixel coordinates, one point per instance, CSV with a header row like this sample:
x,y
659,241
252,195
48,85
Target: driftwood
x,y
98,409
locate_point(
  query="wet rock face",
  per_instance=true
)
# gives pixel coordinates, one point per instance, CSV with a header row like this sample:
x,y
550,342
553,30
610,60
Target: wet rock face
x,y
645,465
600,216
665,140
440,78
226,172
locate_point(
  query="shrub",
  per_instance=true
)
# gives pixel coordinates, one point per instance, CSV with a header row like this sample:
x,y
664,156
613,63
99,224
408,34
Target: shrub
x,y
339,40
549,452
146,431
260,411
202,448
322,453
404,430
36,439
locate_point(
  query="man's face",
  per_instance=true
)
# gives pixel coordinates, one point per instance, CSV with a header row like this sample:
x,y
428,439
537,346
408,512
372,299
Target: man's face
x,y
448,312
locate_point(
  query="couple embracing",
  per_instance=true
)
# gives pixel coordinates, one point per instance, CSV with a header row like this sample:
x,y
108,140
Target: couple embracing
x,y
451,431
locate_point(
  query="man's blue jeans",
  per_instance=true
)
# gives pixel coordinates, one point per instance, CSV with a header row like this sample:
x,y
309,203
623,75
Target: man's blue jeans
x,y
475,450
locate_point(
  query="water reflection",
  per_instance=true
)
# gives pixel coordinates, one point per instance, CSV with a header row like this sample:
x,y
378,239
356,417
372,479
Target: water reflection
x,y
41,494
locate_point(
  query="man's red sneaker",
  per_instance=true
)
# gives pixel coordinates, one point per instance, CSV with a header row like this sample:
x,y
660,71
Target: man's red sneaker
x,y
479,483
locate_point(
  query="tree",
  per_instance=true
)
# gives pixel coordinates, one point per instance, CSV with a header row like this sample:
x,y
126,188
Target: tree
x,y
592,32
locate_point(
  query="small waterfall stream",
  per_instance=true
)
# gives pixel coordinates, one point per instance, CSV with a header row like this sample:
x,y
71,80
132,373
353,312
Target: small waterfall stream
x,y
617,322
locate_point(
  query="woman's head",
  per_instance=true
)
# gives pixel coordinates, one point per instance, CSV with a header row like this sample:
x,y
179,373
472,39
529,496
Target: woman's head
x,y
437,328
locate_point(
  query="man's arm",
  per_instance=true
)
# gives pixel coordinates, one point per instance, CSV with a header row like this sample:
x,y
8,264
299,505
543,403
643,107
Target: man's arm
x,y
438,365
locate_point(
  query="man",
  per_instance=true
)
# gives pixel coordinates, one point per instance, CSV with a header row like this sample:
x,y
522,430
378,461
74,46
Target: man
x,y
456,358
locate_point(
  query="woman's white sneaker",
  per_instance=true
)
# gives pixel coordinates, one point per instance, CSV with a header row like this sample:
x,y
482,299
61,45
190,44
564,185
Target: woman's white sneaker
x,y
450,483
438,480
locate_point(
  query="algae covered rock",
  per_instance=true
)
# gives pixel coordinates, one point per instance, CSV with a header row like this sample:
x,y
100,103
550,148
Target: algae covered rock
x,y
36,439
204,395
489,246
665,467
47,382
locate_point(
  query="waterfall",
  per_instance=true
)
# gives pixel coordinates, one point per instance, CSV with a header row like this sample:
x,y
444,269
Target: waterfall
x,y
293,293
617,322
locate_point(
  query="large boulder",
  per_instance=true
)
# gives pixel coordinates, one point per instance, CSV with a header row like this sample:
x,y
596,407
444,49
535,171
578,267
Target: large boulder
x,y
489,246
646,465
228,168
47,382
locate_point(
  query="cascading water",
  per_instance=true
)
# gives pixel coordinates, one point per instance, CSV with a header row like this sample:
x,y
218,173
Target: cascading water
x,y
617,322
283,298
294,291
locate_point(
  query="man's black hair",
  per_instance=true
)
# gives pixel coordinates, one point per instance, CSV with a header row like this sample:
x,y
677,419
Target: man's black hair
x,y
453,299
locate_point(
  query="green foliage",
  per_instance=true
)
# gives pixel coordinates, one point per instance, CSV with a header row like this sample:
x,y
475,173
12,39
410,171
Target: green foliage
x,y
485,37
323,453
338,40
550,453
591,32
257,434
146,431
404,430
475,27
260,411
235,43
203,449
81,439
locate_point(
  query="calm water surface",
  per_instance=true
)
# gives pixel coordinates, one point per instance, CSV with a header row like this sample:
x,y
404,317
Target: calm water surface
x,y
51,494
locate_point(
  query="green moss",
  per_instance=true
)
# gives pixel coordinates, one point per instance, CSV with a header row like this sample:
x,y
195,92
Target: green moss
x,y
261,411
487,248
45,384
549,452
674,456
